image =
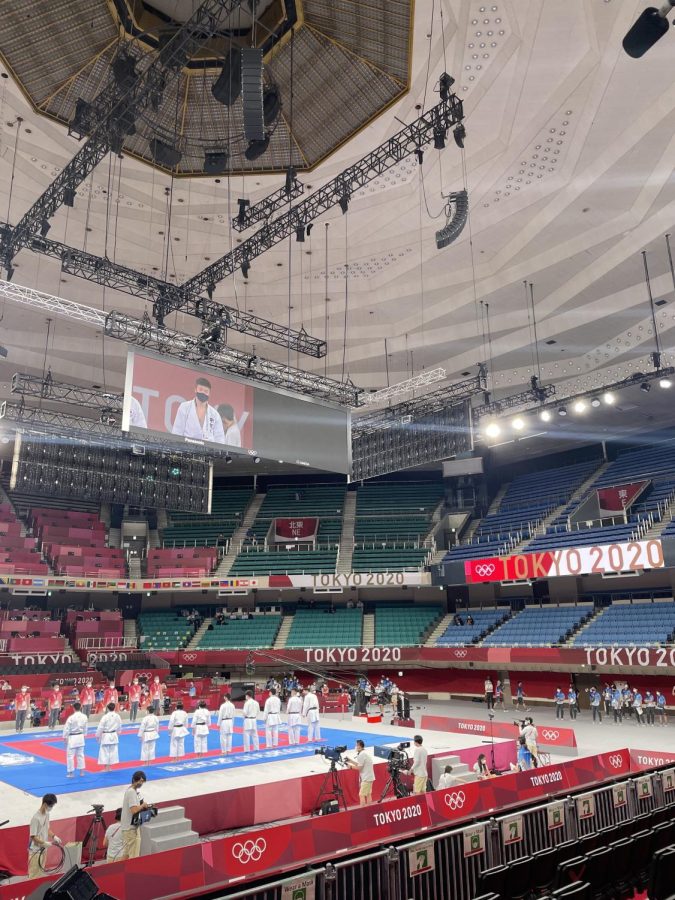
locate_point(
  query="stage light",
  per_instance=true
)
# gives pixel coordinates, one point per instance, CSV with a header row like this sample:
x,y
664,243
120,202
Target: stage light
x,y
69,197
290,179
44,227
649,27
344,203
645,387
439,138
227,87
271,105
579,406
256,149
241,215
158,313
608,397
456,210
445,82
562,410
300,234
245,267
665,383
545,415
228,459
164,154
215,161
124,70
10,271
210,288
595,402
459,133
492,429
518,424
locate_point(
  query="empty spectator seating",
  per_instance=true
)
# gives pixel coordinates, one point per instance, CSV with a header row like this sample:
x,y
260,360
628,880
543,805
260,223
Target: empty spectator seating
x,y
18,554
634,623
539,626
165,630
241,634
286,501
330,530
374,558
228,506
75,542
185,561
320,628
258,561
483,621
395,512
404,625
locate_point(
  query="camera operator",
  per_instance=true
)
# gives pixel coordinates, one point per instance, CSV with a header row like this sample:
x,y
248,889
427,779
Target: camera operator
x,y
364,764
419,766
131,805
528,730
41,836
112,840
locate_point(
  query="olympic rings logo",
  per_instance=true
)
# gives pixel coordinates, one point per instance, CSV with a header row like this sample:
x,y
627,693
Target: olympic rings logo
x,y
616,761
249,851
189,657
549,735
455,801
484,569
460,654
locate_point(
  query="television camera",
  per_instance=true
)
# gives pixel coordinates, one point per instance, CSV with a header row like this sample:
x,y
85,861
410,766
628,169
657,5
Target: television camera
x,y
398,760
332,754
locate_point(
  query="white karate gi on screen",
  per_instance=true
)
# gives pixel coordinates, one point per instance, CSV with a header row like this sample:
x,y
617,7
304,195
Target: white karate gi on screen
x,y
226,725
187,423
251,713
310,709
178,730
294,713
107,734
148,732
271,714
201,720
74,731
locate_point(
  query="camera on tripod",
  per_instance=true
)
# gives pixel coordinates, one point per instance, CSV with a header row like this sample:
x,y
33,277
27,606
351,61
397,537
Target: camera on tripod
x,y
97,810
398,760
519,722
332,754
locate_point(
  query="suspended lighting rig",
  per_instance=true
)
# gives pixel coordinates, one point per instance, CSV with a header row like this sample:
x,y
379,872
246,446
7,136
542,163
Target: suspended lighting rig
x,y
63,392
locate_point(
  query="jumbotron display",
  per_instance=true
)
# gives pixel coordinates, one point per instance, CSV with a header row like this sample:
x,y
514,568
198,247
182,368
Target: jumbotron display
x,y
196,407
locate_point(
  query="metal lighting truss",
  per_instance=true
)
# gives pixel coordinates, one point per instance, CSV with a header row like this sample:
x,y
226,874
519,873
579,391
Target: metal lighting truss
x,y
55,422
124,327
129,281
410,139
146,333
413,410
267,206
514,401
431,376
48,389
112,114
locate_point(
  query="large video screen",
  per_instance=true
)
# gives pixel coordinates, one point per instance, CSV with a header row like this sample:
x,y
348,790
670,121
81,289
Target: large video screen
x,y
198,407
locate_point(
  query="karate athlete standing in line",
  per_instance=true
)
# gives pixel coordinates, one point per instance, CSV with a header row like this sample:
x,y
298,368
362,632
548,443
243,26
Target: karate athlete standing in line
x,y
294,713
310,709
271,714
178,731
148,732
251,713
201,720
225,723
107,734
73,734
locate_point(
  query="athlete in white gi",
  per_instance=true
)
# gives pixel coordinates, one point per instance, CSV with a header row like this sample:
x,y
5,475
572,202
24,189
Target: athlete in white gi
x,y
226,723
310,709
272,717
197,419
107,734
178,730
251,713
201,720
148,732
74,731
294,713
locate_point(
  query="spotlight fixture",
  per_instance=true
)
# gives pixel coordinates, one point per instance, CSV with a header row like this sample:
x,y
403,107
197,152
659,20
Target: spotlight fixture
x,y
459,133
456,211
645,387
256,148
579,406
215,161
562,410
445,83
164,154
158,313
271,105
419,153
227,87
210,288
245,267
608,397
439,138
344,203
124,70
518,424
665,383
69,197
44,227
241,215
300,234
308,229
492,429
595,402
228,459
545,415
290,179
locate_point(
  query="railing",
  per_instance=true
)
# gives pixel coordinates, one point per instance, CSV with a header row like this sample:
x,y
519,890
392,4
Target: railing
x,y
105,643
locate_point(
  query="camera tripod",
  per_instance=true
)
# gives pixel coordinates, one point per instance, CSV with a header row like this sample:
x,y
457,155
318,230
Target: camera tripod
x,y
394,781
94,836
330,790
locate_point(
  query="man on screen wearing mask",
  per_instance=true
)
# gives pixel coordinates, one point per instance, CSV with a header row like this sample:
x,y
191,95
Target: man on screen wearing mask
x,y
197,419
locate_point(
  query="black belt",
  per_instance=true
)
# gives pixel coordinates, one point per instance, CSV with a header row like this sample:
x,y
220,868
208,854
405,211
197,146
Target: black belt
x,y
250,717
73,733
114,731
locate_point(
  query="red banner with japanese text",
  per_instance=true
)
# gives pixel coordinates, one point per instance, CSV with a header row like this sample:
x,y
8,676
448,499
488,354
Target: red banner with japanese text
x,y
614,500
297,529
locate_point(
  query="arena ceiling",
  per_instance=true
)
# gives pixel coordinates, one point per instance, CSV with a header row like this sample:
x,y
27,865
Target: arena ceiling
x,y
568,162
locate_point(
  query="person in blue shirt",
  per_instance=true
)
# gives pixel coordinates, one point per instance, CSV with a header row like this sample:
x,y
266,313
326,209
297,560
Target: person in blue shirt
x,y
596,709
572,700
637,706
661,708
524,755
559,699
519,699
192,690
650,708
617,706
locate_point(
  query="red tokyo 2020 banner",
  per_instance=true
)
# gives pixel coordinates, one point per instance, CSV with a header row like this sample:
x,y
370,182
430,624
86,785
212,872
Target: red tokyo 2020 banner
x,y
295,529
614,500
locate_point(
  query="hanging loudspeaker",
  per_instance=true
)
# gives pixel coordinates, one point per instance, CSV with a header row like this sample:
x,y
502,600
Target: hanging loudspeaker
x,y
252,93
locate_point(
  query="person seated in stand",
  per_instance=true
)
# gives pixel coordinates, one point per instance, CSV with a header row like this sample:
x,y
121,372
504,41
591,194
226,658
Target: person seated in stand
x,y
447,779
480,767
469,620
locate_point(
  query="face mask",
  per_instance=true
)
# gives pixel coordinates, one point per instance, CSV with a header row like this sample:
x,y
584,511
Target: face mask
x,y
135,682
23,690
201,396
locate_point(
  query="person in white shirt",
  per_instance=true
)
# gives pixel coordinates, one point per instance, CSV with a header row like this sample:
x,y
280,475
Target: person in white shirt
x,y
148,732
310,710
201,721
107,734
113,841
294,713
251,713
363,762
530,733
230,426
225,723
132,804
489,693
177,726
419,766
447,779
197,419
74,732
136,415
271,715
41,836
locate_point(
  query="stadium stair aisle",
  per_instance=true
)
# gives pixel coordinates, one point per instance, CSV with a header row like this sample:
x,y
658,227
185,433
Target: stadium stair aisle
x,y
239,535
199,634
484,622
284,631
228,507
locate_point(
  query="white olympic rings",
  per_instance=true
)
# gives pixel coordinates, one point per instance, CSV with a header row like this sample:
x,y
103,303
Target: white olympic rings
x,y
455,801
249,851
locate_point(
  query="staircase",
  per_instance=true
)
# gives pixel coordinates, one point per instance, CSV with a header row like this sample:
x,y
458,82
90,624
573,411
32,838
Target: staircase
x,y
154,539
239,535
437,557
162,519
168,830
575,634
344,564
368,633
104,515
134,564
283,632
460,770
199,634
130,632
114,537
438,630
4,498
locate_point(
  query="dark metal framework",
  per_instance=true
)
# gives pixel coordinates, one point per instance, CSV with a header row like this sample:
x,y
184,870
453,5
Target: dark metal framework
x,y
514,401
112,115
269,205
48,389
